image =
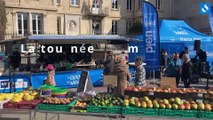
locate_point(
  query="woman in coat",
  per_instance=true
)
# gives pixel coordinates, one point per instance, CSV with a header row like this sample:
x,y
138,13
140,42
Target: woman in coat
x,y
186,70
121,69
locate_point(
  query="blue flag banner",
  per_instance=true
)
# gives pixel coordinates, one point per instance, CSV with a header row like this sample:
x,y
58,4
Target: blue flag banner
x,y
151,36
211,18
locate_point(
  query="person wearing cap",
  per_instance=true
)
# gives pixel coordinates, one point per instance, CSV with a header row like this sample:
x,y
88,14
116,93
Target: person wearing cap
x,y
186,70
50,75
140,74
121,70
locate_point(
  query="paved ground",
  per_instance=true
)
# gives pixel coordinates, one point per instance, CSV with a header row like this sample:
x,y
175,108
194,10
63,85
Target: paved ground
x,y
41,116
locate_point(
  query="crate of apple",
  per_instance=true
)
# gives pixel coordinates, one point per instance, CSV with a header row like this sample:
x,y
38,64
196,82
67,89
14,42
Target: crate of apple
x,y
132,91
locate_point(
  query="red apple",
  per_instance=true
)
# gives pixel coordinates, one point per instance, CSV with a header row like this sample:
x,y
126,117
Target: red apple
x,y
187,106
181,107
129,88
143,89
135,89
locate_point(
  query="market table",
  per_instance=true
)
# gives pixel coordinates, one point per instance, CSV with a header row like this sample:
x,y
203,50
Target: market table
x,y
22,111
35,111
108,115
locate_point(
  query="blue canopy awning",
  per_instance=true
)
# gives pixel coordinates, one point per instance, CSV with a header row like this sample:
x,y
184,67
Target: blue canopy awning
x,y
178,30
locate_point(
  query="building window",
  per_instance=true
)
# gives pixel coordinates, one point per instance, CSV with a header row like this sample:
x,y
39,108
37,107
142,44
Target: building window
x,y
139,4
23,23
114,4
97,3
74,2
158,3
114,27
37,22
58,2
128,26
59,25
129,4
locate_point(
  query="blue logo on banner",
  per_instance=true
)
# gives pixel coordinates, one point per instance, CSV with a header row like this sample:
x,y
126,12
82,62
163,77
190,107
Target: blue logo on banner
x,y
4,84
205,8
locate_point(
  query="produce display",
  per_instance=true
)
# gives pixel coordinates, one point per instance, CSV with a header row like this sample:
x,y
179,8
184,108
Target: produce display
x,y
172,103
24,95
106,100
6,96
51,100
81,104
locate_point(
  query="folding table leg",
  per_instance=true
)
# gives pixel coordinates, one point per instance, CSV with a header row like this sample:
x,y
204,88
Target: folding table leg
x,y
58,116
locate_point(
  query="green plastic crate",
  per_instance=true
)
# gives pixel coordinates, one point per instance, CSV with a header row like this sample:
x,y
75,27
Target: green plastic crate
x,y
178,113
140,111
205,114
53,107
105,109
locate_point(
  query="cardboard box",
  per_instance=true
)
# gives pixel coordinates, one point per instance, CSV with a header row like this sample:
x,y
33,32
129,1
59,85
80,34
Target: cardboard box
x,y
168,81
110,80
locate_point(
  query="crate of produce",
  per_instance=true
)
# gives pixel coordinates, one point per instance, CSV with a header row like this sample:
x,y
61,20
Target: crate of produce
x,y
78,106
178,113
104,109
162,95
56,104
139,111
205,114
32,104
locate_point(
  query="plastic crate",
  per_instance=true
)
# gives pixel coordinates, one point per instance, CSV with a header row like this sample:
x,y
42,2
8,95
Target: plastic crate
x,y
53,107
178,113
207,97
105,109
10,105
205,114
29,104
131,93
146,93
140,111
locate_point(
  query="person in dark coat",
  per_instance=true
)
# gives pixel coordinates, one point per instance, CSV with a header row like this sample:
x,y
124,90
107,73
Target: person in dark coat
x,y
16,59
186,70
121,69
108,64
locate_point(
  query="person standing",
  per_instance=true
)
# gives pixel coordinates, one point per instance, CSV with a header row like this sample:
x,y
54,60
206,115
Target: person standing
x,y
174,67
108,64
140,75
121,70
183,52
50,75
186,70
16,59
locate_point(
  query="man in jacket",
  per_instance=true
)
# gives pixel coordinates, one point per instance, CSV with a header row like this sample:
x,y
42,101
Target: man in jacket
x,y
140,75
121,69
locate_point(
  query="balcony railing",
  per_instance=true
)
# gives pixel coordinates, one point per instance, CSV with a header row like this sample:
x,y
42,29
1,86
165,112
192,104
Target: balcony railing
x,y
94,11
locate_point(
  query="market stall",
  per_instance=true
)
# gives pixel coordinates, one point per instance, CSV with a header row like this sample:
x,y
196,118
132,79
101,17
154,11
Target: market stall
x,y
67,71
